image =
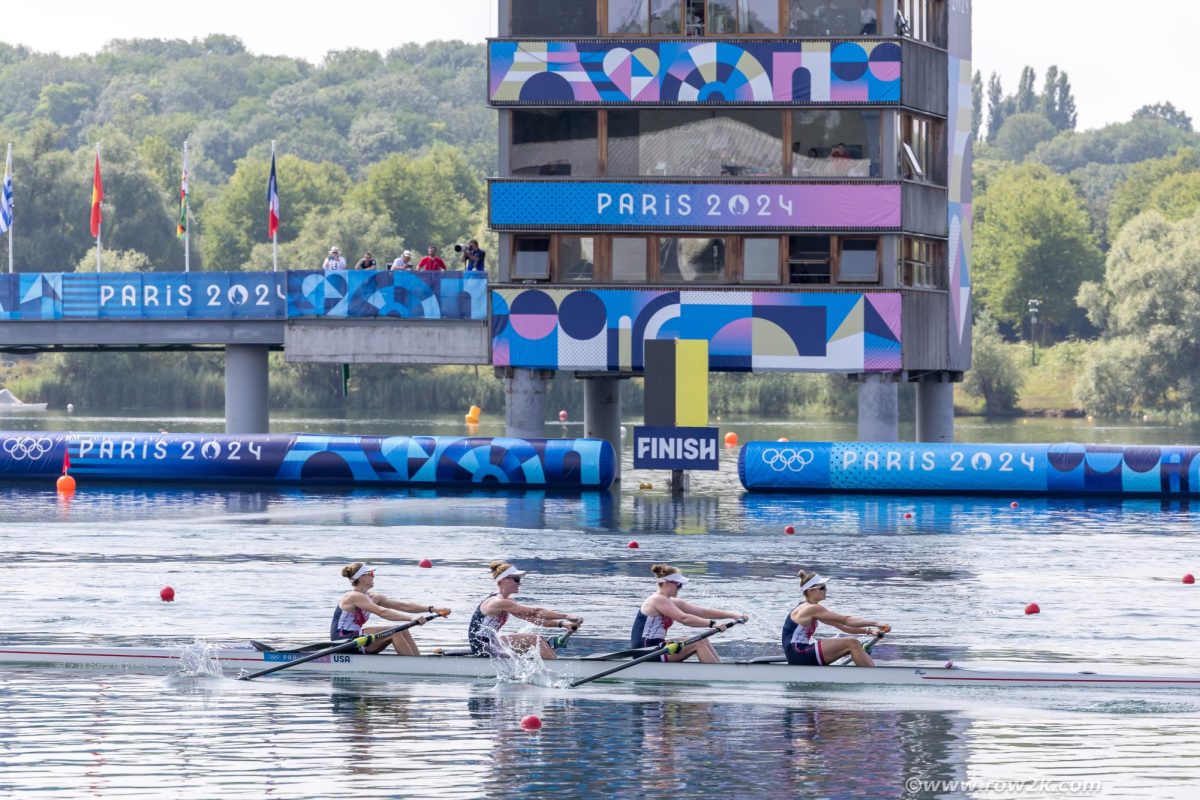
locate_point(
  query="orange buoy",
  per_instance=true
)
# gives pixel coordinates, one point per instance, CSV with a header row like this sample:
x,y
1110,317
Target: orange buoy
x,y
472,417
731,439
783,439
65,484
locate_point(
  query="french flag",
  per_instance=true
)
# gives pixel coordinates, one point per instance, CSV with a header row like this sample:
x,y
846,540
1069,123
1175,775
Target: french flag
x,y
272,203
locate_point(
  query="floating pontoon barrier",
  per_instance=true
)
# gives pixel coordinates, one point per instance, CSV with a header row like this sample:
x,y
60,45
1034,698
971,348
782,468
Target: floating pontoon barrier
x,y
449,461
1077,469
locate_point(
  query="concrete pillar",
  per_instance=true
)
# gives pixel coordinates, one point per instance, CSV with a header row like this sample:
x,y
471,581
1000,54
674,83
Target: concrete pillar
x,y
246,389
602,413
878,408
525,403
935,411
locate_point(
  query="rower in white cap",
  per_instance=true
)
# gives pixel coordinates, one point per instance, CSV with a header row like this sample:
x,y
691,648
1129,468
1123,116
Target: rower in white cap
x,y
491,615
663,608
798,629
358,604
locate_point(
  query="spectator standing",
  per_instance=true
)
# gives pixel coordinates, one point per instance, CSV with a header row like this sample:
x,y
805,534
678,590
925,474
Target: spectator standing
x,y
366,262
404,262
473,257
432,262
334,260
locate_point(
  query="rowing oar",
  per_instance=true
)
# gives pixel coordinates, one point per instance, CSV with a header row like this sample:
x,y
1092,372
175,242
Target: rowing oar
x,y
669,647
359,641
866,647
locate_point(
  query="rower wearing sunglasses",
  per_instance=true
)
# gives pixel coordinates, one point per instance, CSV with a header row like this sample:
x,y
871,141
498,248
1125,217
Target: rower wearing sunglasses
x,y
661,609
491,615
798,629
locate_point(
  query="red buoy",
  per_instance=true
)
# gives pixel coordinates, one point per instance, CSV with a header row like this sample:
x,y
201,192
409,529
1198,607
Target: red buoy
x,y
167,594
1033,608
424,563
1189,579
789,530
633,545
1014,504
908,515
65,484
562,415
531,722
731,439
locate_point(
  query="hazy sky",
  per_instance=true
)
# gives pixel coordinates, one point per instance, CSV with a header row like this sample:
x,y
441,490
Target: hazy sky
x,y
1120,54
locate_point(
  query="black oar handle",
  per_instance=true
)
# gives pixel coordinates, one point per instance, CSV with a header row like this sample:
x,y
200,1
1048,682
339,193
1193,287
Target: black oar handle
x,y
359,641
669,647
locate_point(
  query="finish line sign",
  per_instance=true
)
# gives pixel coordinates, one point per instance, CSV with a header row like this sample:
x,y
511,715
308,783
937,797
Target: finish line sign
x,y
663,447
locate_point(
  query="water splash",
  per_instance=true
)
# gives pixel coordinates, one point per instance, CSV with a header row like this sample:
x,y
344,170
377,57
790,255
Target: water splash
x,y
199,659
514,666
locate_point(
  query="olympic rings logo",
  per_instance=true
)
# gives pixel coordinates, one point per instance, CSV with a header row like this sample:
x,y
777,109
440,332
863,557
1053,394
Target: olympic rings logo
x,y
28,448
792,460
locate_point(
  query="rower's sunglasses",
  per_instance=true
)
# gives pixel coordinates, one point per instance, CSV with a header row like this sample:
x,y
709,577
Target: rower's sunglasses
x,y
515,579
821,588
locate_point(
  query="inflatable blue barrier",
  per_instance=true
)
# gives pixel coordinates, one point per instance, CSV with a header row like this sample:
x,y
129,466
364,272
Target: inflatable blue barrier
x,y
440,461
897,467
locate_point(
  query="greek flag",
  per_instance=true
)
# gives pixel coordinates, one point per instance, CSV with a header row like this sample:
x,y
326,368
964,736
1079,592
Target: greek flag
x,y
6,198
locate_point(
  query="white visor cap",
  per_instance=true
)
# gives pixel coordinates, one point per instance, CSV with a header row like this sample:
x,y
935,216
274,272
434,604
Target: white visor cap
x,y
511,572
674,577
815,580
363,570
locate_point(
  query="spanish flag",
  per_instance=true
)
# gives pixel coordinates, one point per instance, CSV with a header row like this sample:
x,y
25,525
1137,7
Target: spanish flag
x,y
97,196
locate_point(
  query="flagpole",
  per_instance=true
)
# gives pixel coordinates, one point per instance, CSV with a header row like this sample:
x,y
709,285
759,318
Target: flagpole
x,y
187,227
275,235
7,164
100,227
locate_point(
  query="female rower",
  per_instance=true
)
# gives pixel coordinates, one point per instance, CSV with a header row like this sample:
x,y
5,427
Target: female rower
x,y
661,609
801,624
358,604
484,630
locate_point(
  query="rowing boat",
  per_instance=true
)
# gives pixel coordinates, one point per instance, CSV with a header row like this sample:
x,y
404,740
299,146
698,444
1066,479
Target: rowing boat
x,y
233,661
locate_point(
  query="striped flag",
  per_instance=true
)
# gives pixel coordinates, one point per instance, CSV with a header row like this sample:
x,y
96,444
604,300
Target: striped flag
x,y
182,226
272,203
97,196
6,197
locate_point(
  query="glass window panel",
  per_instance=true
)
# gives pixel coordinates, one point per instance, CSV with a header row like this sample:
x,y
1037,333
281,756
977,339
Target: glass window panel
x,y
722,16
838,18
836,143
629,259
858,262
691,142
554,142
759,16
576,258
665,16
808,259
628,16
533,257
553,18
691,259
760,260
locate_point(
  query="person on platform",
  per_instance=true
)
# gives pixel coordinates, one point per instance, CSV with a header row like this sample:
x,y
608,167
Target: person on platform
x,y
483,633
404,263
663,608
334,260
366,262
358,604
432,261
799,645
473,257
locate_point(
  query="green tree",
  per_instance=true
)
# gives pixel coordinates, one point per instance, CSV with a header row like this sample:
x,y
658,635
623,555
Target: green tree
x,y
237,218
1149,309
976,105
1021,133
994,376
1119,143
1168,113
429,199
1025,101
1065,114
351,229
63,103
1142,189
996,107
1032,240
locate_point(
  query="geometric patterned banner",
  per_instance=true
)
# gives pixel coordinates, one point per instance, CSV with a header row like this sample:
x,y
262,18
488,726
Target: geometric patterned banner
x,y
605,329
242,295
1072,469
627,72
376,293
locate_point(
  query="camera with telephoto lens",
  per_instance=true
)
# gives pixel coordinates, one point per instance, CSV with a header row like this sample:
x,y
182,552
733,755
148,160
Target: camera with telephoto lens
x,y
458,248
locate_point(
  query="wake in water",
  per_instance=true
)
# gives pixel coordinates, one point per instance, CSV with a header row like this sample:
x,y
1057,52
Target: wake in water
x,y
526,667
199,659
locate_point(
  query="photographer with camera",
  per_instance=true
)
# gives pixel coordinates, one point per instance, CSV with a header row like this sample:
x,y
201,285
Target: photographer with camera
x,y
432,262
472,256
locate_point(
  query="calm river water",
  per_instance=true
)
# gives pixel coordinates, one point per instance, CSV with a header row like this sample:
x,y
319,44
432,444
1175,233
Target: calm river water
x,y
953,581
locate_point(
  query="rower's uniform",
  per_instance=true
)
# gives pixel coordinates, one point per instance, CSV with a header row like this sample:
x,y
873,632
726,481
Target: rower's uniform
x,y
650,631
483,632
799,646
348,624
